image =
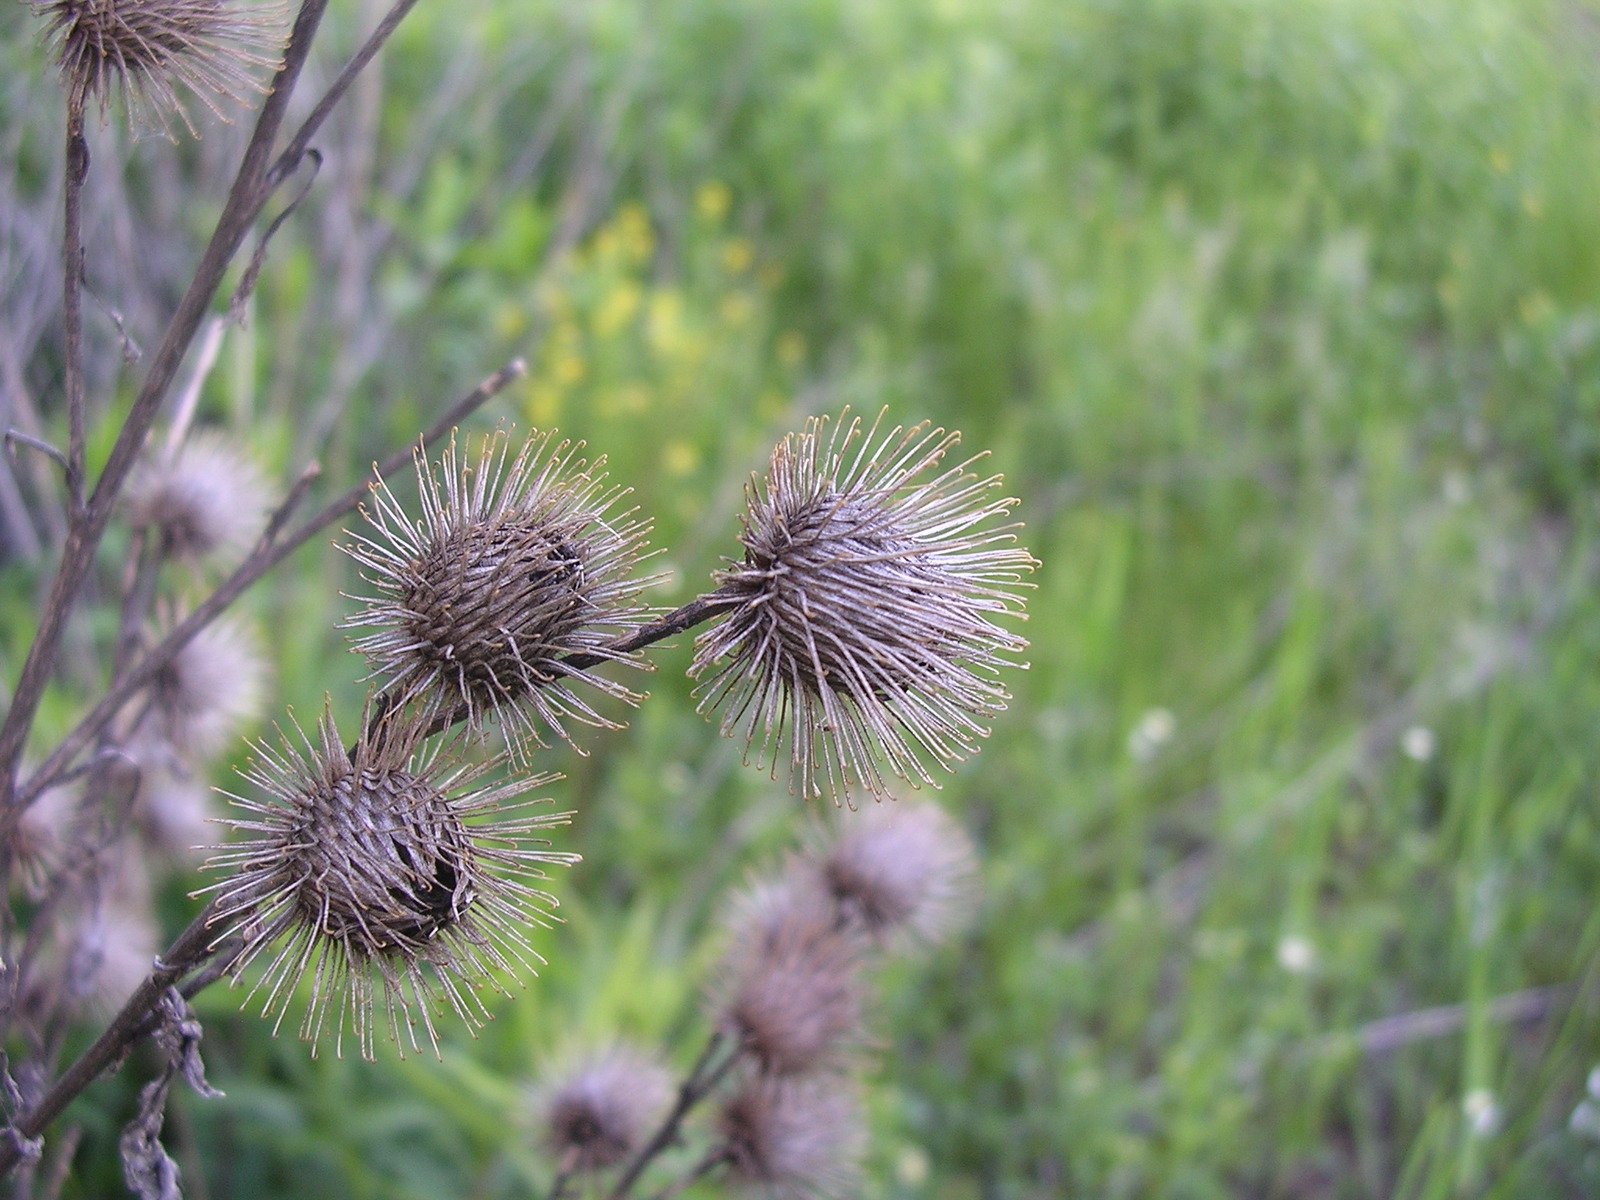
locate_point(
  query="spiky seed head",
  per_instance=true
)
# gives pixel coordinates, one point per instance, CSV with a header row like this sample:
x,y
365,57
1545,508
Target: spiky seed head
x,y
205,692
861,622
601,1109
117,946
514,566
44,836
154,51
897,868
172,806
205,500
794,1139
386,879
789,991
99,944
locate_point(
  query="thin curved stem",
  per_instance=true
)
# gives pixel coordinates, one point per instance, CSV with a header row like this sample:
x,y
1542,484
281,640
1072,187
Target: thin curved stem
x,y
697,612
191,948
266,556
77,164
89,524
708,1071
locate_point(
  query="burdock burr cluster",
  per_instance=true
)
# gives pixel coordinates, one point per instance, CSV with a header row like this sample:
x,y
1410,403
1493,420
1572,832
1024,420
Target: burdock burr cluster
x,y
855,640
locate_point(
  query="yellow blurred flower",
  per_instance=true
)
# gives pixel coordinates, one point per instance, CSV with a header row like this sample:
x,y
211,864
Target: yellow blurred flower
x,y
633,399
679,458
737,255
619,307
633,228
713,200
736,309
664,321
791,348
569,369
1500,161
510,320
544,405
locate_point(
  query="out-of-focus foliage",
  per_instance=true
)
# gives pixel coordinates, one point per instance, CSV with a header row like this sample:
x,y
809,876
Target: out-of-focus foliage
x,y
1284,323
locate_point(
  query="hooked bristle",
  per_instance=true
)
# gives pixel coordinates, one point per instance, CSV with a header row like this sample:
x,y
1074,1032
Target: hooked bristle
x,y
155,51
385,879
860,633
513,568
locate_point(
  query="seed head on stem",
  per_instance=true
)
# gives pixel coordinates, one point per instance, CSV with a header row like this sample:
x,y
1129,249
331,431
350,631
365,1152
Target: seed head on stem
x,y
790,991
384,878
861,630
204,500
601,1109
794,1139
514,566
202,695
154,51
900,870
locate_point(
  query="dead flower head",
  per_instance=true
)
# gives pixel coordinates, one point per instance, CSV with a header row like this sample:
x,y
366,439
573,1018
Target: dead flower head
x,y
513,567
899,869
98,944
204,500
172,803
382,877
44,837
601,1110
201,696
790,990
794,1139
154,51
860,625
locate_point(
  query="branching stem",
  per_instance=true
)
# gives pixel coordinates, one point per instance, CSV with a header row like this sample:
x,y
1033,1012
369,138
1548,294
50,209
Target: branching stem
x,y
715,1061
189,950
88,525
267,555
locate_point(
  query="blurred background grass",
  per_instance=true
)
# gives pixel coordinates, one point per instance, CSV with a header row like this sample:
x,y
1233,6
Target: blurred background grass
x,y
1283,322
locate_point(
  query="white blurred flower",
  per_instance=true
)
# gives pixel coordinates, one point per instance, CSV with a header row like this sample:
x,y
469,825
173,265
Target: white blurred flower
x,y
1481,1112
1154,730
1296,954
911,1167
1456,489
1585,1120
1418,743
